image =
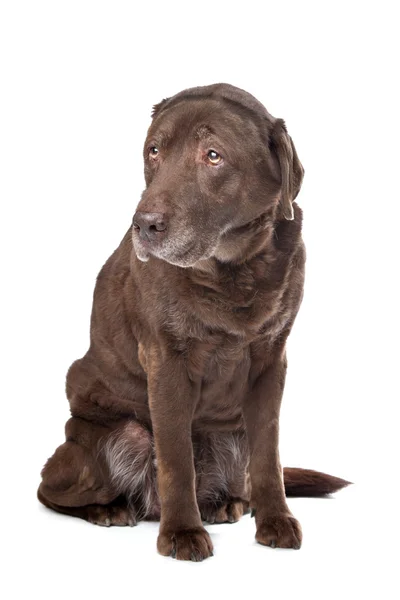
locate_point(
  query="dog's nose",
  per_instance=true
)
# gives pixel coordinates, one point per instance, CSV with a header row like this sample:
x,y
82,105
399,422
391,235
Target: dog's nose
x,y
150,225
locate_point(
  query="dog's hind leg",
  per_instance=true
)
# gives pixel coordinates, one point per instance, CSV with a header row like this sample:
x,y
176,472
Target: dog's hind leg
x,y
117,512
83,477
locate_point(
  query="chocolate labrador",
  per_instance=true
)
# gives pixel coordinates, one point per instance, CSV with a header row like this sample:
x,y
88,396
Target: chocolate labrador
x,y
175,406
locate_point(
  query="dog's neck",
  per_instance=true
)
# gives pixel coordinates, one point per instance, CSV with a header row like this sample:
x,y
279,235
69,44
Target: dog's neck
x,y
241,244
248,247
238,246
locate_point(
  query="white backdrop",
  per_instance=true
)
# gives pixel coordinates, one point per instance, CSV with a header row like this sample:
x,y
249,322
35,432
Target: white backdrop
x,y
78,82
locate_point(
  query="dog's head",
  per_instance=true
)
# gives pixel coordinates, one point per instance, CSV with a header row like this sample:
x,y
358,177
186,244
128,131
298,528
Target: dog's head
x,y
215,162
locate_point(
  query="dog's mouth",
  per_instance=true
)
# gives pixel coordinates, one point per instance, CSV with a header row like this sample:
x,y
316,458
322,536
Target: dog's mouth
x,y
181,250
142,247
171,249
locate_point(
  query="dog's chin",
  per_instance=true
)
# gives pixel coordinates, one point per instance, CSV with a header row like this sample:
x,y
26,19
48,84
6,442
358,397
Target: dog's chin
x,y
143,255
185,256
142,248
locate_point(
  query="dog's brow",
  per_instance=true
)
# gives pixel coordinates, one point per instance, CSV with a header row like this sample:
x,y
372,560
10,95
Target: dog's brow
x,y
162,136
204,131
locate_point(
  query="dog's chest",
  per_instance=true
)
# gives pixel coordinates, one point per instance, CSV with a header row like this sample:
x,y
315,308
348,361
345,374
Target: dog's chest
x,y
221,365
219,344
216,357
214,332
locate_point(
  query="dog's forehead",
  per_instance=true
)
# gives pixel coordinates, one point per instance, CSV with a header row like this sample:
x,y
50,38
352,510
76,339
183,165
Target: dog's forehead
x,y
202,115
224,92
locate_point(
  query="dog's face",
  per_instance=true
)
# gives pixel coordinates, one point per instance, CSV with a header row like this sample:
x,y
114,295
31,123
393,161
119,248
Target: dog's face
x,y
215,161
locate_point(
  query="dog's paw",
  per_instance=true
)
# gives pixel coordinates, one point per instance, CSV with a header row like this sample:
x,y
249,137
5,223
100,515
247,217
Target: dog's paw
x,y
106,516
185,544
230,512
279,531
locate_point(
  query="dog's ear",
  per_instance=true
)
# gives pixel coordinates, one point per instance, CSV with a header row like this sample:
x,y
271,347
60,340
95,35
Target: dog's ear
x,y
292,172
158,107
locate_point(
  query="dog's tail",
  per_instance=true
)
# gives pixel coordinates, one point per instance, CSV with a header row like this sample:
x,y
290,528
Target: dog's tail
x,y
304,482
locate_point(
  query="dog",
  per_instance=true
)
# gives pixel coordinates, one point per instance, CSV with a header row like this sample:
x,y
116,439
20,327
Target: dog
x,y
175,406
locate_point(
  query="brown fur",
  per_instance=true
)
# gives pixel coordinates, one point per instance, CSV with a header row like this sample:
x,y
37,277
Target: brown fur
x,y
175,406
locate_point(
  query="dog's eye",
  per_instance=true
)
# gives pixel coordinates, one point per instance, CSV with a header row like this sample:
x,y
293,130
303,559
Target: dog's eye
x,y
153,152
214,158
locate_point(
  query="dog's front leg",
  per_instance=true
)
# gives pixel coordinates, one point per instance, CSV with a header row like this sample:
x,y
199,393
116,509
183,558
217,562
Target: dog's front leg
x,y
276,526
172,399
